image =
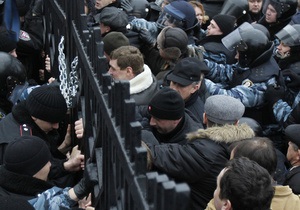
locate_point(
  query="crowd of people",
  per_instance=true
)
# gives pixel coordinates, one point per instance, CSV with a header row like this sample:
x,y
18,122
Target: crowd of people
x,y
217,96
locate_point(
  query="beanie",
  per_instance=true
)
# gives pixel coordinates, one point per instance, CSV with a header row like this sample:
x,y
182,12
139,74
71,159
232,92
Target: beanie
x,y
173,41
47,103
292,133
223,109
7,43
166,104
15,203
226,23
114,40
187,71
26,155
114,18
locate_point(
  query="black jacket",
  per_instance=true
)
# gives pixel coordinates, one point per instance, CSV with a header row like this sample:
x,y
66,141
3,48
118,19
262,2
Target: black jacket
x,y
178,135
196,106
199,161
292,178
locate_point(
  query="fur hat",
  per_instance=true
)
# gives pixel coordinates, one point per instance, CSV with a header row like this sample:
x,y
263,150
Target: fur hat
x,y
47,103
223,109
173,42
167,104
225,22
26,155
114,40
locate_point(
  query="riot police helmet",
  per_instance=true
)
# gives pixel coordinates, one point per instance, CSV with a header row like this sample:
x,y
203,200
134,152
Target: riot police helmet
x,y
12,73
179,14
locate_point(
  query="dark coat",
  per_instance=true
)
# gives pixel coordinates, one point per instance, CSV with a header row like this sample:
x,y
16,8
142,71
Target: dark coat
x,y
196,106
10,128
200,160
292,178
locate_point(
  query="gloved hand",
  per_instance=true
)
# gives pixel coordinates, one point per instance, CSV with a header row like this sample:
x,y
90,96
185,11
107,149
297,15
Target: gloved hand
x,y
147,37
273,94
89,180
295,79
126,6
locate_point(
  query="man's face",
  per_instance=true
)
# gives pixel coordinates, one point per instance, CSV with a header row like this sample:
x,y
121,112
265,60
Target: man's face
x,y
116,72
254,5
292,154
283,50
163,126
45,126
217,201
99,4
271,14
184,91
213,29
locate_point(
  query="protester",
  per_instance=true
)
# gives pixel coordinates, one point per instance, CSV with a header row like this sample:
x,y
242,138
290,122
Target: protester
x,y
169,121
127,63
292,177
243,184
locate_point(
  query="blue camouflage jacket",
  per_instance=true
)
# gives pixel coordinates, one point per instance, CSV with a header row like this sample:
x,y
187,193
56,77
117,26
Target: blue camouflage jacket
x,y
282,110
53,199
250,93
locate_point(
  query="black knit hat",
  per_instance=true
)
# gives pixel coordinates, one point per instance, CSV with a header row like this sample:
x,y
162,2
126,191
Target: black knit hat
x,y
15,203
166,104
292,133
47,103
7,43
114,40
26,155
226,23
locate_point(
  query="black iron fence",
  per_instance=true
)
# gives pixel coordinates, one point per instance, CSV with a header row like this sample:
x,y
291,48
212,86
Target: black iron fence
x,y
112,136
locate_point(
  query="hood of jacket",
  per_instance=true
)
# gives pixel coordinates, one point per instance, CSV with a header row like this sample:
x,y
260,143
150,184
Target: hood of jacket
x,y
225,134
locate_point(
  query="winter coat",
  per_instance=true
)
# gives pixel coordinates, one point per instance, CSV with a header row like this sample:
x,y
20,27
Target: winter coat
x,y
143,86
200,160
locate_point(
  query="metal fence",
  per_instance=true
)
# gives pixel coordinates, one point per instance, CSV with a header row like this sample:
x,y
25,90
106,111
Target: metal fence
x,y
112,136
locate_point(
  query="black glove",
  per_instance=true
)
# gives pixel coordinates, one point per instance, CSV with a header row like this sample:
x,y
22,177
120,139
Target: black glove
x,y
89,180
273,94
295,79
146,37
126,6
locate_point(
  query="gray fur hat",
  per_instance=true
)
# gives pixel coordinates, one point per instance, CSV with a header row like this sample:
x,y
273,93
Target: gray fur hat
x,y
223,109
